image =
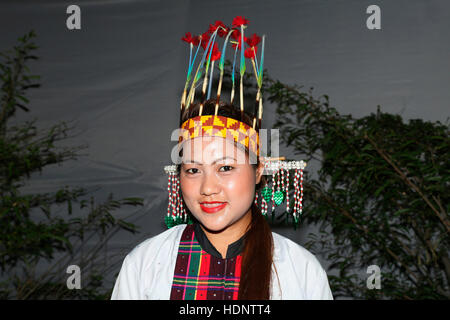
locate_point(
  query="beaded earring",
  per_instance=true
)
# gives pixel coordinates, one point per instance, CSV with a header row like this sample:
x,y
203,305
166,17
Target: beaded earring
x,y
176,213
277,189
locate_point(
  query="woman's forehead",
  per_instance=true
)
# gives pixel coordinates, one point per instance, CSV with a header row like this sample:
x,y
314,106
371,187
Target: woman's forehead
x,y
210,149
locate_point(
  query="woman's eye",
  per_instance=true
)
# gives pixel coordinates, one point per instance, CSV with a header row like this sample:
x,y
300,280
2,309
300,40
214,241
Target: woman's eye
x,y
192,170
226,168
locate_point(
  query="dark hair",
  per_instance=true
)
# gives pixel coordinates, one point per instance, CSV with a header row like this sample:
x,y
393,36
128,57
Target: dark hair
x,y
257,255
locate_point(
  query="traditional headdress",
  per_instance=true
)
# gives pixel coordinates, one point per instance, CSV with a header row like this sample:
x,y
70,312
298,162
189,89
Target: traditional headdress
x,y
225,127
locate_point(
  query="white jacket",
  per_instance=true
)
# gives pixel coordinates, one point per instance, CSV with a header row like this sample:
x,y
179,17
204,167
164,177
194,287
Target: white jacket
x,y
147,271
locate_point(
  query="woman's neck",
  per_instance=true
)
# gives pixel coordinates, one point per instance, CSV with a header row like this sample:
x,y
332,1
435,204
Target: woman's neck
x,y
223,238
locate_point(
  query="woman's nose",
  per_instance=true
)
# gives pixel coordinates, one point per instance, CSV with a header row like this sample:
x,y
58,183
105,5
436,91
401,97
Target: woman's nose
x,y
210,184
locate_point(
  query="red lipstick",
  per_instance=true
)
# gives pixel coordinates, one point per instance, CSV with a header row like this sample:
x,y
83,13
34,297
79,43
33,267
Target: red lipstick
x,y
212,206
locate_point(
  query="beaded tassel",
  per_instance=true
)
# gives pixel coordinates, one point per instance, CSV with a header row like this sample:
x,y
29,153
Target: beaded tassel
x,y
278,179
273,191
182,211
298,194
169,184
264,206
174,194
287,191
171,208
177,181
301,192
294,213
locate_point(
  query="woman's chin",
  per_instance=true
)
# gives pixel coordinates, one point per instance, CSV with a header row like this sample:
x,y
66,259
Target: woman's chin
x,y
212,223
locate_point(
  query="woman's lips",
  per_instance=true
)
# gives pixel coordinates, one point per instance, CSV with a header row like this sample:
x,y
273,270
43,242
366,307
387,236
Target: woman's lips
x,y
212,207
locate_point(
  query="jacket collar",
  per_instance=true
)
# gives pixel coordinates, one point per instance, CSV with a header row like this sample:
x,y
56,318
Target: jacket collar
x,y
233,250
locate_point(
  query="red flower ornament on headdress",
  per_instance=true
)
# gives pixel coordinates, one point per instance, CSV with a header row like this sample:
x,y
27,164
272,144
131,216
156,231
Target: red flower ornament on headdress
x,y
223,30
188,38
253,41
239,21
236,35
205,39
249,53
196,41
215,55
191,39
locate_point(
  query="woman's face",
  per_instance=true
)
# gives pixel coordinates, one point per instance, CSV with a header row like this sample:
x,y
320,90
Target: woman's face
x,y
217,181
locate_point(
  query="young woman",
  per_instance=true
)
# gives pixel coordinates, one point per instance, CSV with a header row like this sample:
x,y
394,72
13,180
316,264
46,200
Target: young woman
x,y
229,251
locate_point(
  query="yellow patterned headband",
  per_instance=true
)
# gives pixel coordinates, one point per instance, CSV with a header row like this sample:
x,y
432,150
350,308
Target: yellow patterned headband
x,y
220,126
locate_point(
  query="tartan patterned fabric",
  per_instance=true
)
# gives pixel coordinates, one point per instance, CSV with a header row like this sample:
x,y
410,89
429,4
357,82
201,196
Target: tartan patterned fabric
x,y
220,126
201,276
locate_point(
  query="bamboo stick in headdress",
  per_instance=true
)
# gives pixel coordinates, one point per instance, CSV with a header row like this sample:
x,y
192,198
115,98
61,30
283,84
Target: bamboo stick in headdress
x,y
260,79
188,38
210,78
190,97
221,64
216,55
193,95
258,74
260,111
198,72
208,50
205,79
232,76
259,89
242,71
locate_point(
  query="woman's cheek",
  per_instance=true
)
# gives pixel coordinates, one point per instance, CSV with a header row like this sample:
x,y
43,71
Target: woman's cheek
x,y
188,189
238,186
229,184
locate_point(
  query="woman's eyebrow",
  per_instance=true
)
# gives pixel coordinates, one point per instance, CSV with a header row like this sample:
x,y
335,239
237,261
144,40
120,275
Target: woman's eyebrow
x,y
217,160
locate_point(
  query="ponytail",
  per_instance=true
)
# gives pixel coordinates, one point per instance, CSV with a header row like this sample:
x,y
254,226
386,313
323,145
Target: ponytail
x,y
256,259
